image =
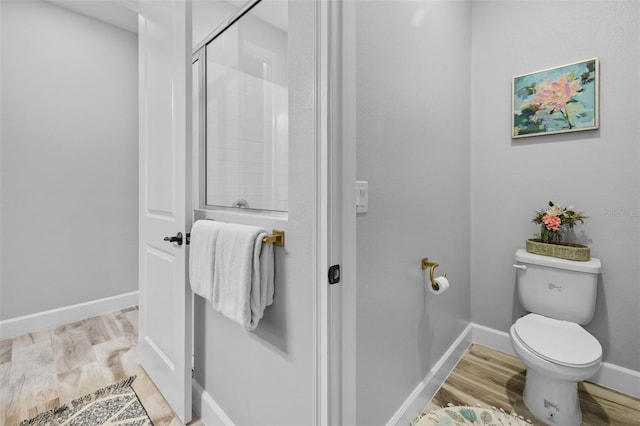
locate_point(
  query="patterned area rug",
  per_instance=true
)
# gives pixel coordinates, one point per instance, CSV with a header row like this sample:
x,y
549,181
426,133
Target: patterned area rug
x,y
115,404
454,415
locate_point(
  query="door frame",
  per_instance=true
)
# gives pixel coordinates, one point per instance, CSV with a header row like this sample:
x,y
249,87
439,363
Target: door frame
x,y
341,179
336,158
324,365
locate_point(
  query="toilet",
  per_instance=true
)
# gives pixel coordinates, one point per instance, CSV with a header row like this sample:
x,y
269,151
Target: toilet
x,y
558,353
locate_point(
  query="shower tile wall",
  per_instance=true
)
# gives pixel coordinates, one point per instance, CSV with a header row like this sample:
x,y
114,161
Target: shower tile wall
x,y
247,113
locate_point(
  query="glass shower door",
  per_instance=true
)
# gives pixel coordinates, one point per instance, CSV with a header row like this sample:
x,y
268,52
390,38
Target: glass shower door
x,y
247,112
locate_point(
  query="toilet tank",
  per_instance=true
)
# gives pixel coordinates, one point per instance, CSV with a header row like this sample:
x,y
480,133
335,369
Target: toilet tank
x,y
557,288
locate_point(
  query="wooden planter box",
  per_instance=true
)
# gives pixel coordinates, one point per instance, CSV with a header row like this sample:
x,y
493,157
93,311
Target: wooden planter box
x,y
567,251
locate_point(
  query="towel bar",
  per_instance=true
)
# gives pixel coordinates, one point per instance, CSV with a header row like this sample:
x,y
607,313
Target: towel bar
x,y
276,238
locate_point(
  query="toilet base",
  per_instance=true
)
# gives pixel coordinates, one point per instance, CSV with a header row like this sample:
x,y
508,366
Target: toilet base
x,y
552,401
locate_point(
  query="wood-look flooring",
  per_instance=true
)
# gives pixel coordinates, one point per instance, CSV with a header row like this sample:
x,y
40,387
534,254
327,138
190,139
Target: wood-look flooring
x,y
491,378
45,369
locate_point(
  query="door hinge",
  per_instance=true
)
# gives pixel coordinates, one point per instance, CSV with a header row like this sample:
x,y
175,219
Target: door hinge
x,y
334,274
188,238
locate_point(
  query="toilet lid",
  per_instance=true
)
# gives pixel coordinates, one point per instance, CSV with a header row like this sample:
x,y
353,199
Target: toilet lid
x,y
557,341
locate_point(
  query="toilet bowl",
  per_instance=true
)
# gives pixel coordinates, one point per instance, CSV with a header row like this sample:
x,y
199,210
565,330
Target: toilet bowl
x,y
558,354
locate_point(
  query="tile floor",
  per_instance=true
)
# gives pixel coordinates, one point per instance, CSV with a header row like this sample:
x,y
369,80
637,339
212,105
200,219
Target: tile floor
x,y
48,368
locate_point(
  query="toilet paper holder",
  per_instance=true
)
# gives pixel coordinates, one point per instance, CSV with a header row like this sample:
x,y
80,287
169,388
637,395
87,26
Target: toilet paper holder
x,y
426,264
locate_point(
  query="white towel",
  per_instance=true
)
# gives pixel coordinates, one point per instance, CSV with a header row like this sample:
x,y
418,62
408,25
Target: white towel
x,y
202,257
231,267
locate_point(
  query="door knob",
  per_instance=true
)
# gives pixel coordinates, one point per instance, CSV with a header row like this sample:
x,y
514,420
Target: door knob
x,y
175,239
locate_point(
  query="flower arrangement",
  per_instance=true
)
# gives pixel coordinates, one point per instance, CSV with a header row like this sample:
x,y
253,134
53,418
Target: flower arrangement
x,y
555,219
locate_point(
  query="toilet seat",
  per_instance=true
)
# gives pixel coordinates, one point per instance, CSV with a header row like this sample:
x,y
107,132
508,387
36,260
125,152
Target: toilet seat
x,y
560,342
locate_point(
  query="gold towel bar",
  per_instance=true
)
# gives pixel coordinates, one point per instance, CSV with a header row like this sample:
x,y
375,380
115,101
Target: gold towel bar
x,y
276,238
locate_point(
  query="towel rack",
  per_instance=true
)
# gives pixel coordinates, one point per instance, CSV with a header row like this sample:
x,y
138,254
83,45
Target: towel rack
x,y
276,238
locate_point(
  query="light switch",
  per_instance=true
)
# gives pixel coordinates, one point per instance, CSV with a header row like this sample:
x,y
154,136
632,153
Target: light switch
x,y
362,196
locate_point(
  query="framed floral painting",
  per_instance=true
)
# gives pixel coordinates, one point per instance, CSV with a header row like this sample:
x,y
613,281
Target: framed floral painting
x,y
556,100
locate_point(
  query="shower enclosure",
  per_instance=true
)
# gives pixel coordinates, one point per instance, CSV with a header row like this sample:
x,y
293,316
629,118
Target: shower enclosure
x,y
244,104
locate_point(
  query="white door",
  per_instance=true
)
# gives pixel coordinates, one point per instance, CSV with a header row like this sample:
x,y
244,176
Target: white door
x,y
165,298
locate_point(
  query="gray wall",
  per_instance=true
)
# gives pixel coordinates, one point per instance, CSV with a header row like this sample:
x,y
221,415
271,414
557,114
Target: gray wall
x,y
69,159
413,85
266,377
596,171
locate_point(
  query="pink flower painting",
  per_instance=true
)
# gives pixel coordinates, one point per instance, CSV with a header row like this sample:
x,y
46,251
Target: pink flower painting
x,y
556,100
555,95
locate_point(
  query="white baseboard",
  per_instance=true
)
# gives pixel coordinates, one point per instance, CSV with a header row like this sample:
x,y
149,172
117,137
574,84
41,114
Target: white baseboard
x,y
618,378
610,375
492,338
207,408
429,386
29,323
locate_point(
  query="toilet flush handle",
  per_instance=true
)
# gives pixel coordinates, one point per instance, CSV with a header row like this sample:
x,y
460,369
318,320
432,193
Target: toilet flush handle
x,y
517,266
